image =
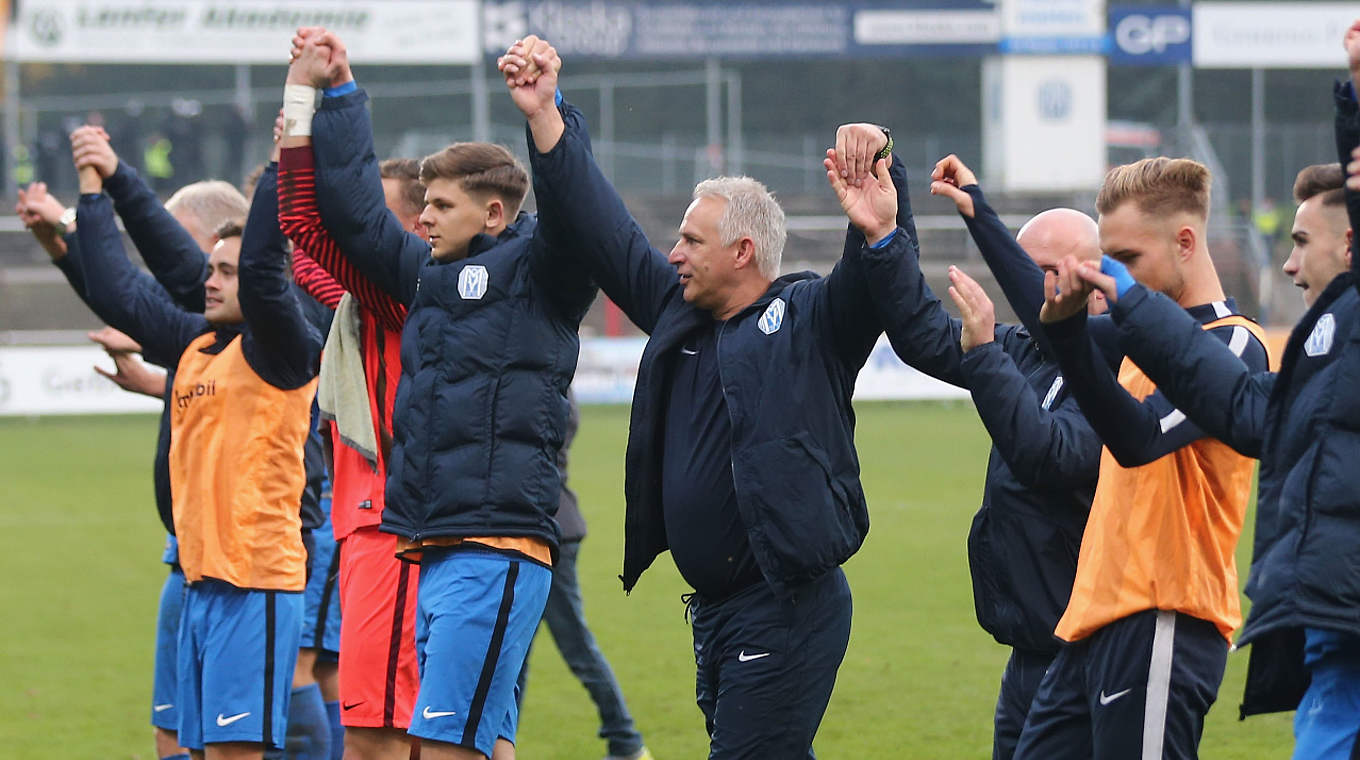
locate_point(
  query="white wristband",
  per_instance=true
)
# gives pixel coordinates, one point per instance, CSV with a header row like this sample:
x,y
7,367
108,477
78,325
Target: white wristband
x,y
299,104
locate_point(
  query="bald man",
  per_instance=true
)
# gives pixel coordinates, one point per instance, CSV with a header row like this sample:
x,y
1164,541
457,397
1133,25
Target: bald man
x,y
1041,473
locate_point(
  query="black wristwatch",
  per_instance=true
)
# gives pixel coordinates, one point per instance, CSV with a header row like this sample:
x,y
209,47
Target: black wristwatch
x,y
887,147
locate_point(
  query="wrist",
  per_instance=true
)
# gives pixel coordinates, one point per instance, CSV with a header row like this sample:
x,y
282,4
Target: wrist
x,y
879,236
299,105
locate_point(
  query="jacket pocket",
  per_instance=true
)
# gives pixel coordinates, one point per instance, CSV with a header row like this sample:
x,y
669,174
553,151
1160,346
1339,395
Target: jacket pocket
x,y
798,513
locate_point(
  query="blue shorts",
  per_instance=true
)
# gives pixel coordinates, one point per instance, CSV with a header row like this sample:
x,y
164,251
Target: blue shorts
x,y
478,611
164,684
237,649
1327,722
321,615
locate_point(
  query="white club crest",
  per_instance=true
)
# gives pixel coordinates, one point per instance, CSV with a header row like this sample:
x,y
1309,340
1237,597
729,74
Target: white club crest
x,y
1319,341
472,282
773,317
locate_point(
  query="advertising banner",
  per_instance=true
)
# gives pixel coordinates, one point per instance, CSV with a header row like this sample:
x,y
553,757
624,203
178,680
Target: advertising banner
x,y
241,31
43,380
1044,122
1271,35
617,29
1150,36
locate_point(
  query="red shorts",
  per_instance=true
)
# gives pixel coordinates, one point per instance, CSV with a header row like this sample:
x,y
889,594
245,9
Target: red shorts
x,y
379,676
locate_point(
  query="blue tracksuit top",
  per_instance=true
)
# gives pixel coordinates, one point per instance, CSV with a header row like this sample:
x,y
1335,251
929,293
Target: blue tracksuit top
x,y
787,362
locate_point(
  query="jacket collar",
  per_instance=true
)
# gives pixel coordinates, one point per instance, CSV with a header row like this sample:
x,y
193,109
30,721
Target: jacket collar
x,y
482,242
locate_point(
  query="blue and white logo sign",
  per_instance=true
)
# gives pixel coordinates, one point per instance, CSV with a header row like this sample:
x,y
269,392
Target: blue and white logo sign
x,y
1319,341
1144,36
773,317
472,282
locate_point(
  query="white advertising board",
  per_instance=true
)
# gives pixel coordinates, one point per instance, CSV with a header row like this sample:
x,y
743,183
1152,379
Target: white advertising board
x,y
61,380
608,369
241,31
1271,35
1044,122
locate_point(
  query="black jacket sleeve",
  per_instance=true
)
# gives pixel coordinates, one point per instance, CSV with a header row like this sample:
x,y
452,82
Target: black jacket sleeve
x,y
349,194
1347,129
71,267
1049,447
574,197
170,252
1136,432
1020,279
921,332
125,297
1197,372
281,345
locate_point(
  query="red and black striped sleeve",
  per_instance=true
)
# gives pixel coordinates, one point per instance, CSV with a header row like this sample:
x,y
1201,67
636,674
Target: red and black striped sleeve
x,y
316,281
300,220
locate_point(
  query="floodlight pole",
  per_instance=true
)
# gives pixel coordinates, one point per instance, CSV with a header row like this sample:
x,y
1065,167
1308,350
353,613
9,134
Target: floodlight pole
x,y
11,125
246,104
607,129
1258,137
481,94
713,90
1185,92
735,148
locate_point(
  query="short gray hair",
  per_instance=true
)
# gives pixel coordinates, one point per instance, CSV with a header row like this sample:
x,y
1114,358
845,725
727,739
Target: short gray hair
x,y
210,203
751,211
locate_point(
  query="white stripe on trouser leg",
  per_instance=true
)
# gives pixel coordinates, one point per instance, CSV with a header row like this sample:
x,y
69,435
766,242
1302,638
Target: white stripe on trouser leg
x,y
1158,685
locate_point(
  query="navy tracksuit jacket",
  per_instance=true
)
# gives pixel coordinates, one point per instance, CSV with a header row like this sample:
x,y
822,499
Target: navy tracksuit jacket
x,y
1041,471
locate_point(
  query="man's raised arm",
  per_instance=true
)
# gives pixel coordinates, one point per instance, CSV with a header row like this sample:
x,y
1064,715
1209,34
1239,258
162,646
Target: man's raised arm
x,y
349,191
175,259
119,293
574,196
283,349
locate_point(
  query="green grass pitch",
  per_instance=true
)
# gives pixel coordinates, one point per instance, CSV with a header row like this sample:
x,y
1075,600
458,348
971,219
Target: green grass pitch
x,y
80,549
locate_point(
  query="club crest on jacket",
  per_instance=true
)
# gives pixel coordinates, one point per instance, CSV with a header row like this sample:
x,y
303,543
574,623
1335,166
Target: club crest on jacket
x,y
472,282
773,317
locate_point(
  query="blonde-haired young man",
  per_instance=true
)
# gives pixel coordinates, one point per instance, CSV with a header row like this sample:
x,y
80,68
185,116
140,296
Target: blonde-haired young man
x,y
1155,596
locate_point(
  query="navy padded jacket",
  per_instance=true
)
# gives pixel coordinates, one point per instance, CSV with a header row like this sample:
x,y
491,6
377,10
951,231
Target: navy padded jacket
x,y
487,354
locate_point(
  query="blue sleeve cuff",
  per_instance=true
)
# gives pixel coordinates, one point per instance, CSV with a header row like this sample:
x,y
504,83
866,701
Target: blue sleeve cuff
x,y
885,241
343,89
557,97
1122,279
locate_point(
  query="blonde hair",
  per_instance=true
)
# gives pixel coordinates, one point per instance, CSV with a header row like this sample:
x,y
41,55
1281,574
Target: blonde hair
x,y
210,204
1159,186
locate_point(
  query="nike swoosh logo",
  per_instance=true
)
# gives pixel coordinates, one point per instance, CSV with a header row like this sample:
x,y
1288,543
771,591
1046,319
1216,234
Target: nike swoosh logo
x,y
427,715
221,721
688,352
1105,699
161,708
744,657
351,707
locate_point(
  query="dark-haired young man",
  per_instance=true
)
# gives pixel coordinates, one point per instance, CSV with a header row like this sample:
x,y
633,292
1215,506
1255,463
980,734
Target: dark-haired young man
x,y
240,411
488,351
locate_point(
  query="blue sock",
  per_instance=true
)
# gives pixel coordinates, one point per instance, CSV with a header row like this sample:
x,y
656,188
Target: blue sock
x,y
309,733
337,730
175,757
